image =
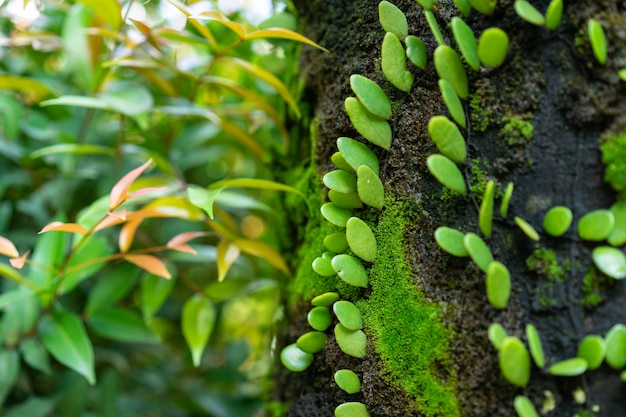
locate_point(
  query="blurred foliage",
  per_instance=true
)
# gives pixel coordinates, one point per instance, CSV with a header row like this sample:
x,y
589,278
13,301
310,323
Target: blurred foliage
x,y
138,227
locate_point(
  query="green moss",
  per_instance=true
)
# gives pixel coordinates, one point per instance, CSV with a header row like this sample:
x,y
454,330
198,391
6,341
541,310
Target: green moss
x,y
516,130
544,262
593,284
613,149
480,176
406,329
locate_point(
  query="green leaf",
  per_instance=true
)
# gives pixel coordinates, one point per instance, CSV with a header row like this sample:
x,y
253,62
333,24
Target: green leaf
x,y
312,342
527,11
524,408
569,367
453,103
340,162
508,193
596,225
371,96
496,334
335,215
33,407
350,270
49,251
35,355
598,40
9,369
427,4
527,228
319,318
351,342
478,251
498,285
484,6
557,220
108,10
356,154
347,381
348,314
464,37
554,14
485,215
446,172
592,349
198,321
464,7
82,265
450,68
24,85
323,267
120,324
9,298
447,138
616,346
340,181
617,237
611,261
416,51
536,348
393,63
356,409
73,149
514,361
325,300
392,19
345,200
63,334
434,27
373,128
130,99
20,318
493,45
451,241
154,291
76,45
361,239
370,189
295,359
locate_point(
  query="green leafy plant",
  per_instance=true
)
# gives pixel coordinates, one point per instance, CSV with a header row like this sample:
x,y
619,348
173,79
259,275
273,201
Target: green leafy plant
x,y
348,314
569,367
514,361
361,239
485,215
450,68
611,261
493,45
447,138
446,172
464,37
393,63
535,345
351,342
352,409
615,346
392,19
524,407
371,96
451,240
527,228
453,103
598,40
416,51
592,349
496,334
478,251
596,225
554,13
484,6
347,381
557,221
498,285
508,193
373,128
527,11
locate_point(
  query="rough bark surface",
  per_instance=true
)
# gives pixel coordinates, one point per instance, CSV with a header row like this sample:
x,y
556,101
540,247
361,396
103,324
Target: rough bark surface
x,y
549,79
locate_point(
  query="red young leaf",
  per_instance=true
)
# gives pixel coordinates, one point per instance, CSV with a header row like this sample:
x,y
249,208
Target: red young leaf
x,y
127,234
119,192
145,191
184,238
150,263
64,227
18,263
8,248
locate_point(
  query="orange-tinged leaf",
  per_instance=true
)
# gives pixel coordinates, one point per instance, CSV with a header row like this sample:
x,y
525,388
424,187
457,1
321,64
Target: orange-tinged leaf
x,y
204,31
227,254
145,191
265,251
119,192
18,262
239,30
8,248
183,247
183,238
282,33
64,227
149,263
127,234
176,206
143,28
24,85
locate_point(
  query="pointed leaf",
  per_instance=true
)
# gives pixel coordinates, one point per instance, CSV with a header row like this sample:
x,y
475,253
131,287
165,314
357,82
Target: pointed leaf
x,y
281,33
36,355
111,288
120,324
198,321
227,254
64,227
8,248
18,263
154,292
127,234
24,85
265,251
119,191
9,369
150,263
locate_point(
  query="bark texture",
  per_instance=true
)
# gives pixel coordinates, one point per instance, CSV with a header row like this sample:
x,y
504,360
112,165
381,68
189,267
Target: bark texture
x,y
550,81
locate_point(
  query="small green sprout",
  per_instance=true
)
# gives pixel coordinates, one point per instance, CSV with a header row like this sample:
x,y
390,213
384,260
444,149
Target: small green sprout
x,y
371,95
592,349
611,261
464,7
554,14
557,220
416,51
373,128
392,19
350,270
325,300
464,37
319,318
451,241
478,251
498,285
569,367
496,334
352,409
447,138
484,6
348,314
527,11
493,45
617,237
450,68
369,187
622,74
536,348
336,242
453,103
335,214
323,267
295,359
447,173
615,355
345,200
393,63
434,27
312,342
347,381
527,228
597,39
361,239
340,162
485,215
596,225
524,408
508,193
351,342
514,361
356,154
340,180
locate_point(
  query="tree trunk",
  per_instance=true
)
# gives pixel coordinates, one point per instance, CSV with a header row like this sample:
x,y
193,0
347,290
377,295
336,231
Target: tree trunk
x,y
425,312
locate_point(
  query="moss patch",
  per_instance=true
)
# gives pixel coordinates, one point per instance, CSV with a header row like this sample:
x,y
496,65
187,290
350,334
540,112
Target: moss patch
x,y
613,149
406,329
516,130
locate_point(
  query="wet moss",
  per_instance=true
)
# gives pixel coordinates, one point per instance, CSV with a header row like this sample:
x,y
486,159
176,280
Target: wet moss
x,y
404,327
594,284
544,262
613,147
516,130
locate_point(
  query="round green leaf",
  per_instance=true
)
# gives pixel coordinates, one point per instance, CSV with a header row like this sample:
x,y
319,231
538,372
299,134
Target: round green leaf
x,y
448,138
464,37
453,103
351,342
323,267
295,359
617,237
484,6
392,19
498,285
536,348
336,242
496,334
451,241
508,193
373,128
478,251
616,347
198,320
416,51
340,162
361,239
340,181
450,68
611,261
557,220
393,63
370,94
426,4
369,187
335,214
464,7
485,215
527,228
514,361
348,314
312,342
622,74
350,270
325,300
319,318
592,349
345,200
596,225
569,367
524,408
356,154
598,40
527,11
348,381
554,14
352,409
446,172
492,47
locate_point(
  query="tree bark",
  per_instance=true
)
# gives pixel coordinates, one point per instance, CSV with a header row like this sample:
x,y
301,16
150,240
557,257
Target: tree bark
x,y
426,313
